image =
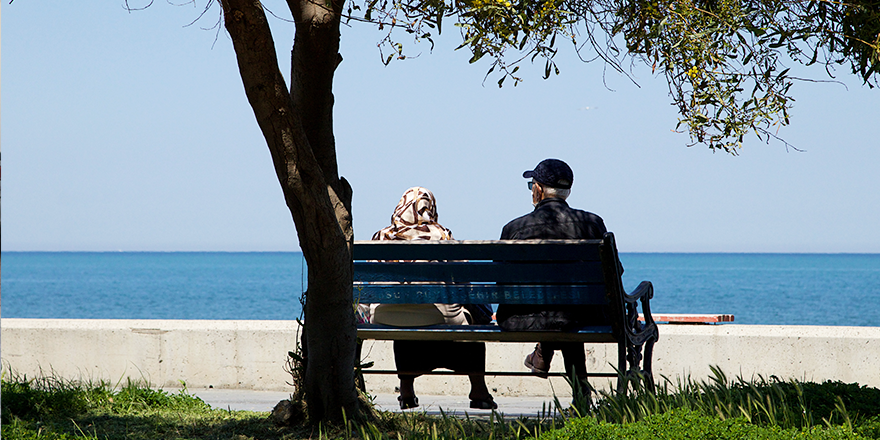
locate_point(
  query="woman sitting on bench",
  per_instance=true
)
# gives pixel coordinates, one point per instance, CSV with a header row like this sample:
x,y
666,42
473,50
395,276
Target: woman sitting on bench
x,y
415,218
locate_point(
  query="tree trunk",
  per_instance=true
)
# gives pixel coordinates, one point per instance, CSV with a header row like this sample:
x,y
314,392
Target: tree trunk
x,y
298,129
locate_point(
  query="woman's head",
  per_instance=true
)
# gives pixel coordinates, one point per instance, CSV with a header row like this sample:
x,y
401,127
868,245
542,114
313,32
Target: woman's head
x,y
415,218
416,206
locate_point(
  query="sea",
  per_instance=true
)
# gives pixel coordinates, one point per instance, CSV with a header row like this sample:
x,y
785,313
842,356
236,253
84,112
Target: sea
x,y
776,289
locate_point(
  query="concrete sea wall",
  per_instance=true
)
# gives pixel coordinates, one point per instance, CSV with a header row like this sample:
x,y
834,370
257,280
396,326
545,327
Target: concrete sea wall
x,y
252,354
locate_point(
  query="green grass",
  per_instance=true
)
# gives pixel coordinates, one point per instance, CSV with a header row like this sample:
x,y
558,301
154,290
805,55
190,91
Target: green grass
x,y
51,408
769,402
688,424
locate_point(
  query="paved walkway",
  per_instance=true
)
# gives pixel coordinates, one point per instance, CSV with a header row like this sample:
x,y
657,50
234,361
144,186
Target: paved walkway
x,y
248,400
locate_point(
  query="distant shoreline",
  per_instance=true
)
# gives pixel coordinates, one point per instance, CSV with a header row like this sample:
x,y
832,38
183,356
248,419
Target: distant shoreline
x,y
300,252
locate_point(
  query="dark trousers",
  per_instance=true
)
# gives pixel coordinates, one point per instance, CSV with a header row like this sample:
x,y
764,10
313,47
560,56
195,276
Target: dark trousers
x,y
572,354
425,356
575,364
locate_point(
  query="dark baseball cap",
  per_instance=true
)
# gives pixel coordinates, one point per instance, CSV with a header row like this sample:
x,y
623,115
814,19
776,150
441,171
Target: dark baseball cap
x,y
553,173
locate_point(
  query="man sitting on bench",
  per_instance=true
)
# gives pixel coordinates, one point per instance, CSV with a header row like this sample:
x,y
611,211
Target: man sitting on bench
x,y
552,218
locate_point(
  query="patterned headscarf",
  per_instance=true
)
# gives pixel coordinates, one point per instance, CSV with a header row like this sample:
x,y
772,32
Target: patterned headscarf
x,y
415,218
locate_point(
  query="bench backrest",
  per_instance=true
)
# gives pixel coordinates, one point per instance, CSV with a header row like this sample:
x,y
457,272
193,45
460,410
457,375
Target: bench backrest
x,y
497,272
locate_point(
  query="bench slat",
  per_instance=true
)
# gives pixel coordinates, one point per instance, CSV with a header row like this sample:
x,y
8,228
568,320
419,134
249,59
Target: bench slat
x,y
511,273
479,294
485,333
508,250
487,373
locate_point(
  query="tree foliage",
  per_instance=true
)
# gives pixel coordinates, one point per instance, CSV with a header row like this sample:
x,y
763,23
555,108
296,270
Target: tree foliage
x,y
726,61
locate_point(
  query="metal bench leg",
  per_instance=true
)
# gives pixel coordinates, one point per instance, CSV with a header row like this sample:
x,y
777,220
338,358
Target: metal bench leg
x,y
359,373
621,368
648,369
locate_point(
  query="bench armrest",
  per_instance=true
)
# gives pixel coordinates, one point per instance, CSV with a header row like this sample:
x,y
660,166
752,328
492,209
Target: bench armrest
x,y
637,332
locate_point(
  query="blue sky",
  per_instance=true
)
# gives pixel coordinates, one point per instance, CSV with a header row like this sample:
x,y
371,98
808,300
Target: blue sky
x,y
131,131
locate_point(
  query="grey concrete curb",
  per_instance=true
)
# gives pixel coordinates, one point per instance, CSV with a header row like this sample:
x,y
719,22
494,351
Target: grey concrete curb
x,y
251,355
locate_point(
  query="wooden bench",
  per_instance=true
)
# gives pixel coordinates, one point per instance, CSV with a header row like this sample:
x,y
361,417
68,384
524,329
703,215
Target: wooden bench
x,y
583,272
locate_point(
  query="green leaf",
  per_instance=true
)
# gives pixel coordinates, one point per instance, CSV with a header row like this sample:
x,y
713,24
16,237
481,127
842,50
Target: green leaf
x,y
782,74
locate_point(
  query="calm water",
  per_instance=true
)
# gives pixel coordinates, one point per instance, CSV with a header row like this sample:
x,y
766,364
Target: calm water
x,y
792,289
813,289
152,285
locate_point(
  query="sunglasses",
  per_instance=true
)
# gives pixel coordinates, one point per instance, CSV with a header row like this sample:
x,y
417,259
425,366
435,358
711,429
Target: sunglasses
x,y
531,184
